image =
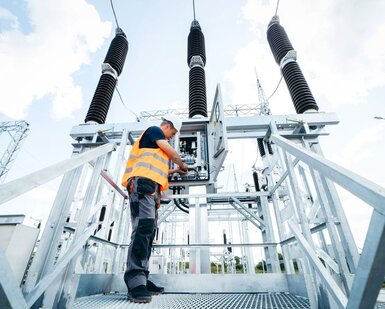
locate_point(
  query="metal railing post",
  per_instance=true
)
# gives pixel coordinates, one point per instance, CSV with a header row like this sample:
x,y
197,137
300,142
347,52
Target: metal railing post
x,y
69,283
371,268
347,239
48,246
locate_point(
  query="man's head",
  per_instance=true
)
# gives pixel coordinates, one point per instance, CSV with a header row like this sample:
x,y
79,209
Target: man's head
x,y
170,125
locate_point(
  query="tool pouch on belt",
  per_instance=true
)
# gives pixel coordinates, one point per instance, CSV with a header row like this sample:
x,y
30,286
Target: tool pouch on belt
x,y
146,186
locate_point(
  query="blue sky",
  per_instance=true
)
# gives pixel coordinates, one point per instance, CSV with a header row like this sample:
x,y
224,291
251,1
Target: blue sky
x,y
51,52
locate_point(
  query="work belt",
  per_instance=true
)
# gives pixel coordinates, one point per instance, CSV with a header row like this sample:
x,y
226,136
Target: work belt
x,y
143,185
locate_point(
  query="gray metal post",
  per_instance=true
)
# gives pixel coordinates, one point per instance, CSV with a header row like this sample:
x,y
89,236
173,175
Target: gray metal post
x,y
48,246
267,231
69,283
330,223
120,236
110,211
125,233
119,166
312,280
248,250
371,268
104,231
301,219
289,267
347,239
286,251
198,227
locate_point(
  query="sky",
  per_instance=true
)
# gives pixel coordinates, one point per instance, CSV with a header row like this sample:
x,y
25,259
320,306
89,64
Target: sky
x,y
51,53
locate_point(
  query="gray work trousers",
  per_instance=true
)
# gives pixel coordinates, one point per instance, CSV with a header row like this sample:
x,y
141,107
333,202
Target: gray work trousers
x,y
143,197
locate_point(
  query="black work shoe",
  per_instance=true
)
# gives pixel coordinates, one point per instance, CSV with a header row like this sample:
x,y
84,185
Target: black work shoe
x,y
139,294
154,289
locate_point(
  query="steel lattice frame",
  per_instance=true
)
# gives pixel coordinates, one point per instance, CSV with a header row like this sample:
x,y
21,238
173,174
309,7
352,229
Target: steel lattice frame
x,y
17,131
350,280
229,110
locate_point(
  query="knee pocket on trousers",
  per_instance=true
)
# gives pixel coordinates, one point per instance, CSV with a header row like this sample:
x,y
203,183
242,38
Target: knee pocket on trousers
x,y
141,245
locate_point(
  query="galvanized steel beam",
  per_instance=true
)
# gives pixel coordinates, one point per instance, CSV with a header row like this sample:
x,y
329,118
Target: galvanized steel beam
x,y
361,187
13,189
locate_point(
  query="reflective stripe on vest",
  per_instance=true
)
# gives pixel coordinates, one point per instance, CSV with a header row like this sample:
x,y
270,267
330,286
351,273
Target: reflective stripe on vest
x,y
149,154
151,163
149,166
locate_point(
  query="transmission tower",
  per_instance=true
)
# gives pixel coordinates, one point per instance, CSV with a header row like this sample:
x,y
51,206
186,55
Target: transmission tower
x,y
17,131
264,108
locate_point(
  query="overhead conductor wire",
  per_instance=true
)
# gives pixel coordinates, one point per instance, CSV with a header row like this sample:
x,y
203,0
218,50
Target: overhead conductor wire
x,y
276,9
113,11
276,88
121,99
194,9
117,90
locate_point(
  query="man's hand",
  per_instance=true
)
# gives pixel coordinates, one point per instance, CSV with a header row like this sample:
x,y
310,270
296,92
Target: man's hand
x,y
184,167
178,170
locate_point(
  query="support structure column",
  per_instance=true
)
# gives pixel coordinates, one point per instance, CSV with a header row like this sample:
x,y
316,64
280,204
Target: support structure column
x,y
198,227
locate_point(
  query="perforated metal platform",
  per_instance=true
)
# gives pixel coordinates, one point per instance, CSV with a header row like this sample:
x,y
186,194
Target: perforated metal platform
x,y
218,301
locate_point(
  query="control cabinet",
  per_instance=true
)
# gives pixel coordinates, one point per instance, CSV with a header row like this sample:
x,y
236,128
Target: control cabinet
x,y
202,145
192,148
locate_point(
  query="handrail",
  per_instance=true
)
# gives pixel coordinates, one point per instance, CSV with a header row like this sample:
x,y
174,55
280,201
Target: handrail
x,y
267,244
111,182
114,244
368,273
13,189
359,186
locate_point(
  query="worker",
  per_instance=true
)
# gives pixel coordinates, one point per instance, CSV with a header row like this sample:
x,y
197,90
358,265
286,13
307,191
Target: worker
x,y
145,177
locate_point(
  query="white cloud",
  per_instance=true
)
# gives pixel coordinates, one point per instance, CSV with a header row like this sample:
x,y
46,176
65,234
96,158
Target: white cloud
x,y
42,62
177,104
67,92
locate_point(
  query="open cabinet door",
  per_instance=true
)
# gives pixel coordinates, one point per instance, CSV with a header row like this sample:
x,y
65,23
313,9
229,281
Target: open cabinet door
x,y
217,136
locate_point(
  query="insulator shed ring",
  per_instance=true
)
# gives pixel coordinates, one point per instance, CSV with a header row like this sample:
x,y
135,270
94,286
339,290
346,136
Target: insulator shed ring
x,y
197,92
100,103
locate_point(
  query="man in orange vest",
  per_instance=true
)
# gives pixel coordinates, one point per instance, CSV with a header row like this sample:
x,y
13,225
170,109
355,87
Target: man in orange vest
x,y
146,175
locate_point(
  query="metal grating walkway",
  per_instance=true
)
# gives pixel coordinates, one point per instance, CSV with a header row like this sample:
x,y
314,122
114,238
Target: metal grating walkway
x,y
186,301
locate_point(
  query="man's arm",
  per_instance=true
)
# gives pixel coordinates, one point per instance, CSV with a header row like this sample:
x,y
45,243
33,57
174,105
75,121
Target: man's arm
x,y
173,155
177,170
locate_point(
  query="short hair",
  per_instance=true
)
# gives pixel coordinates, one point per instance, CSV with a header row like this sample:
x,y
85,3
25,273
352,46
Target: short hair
x,y
166,122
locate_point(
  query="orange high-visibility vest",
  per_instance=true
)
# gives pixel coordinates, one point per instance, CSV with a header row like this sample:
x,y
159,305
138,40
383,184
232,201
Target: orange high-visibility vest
x,y
151,163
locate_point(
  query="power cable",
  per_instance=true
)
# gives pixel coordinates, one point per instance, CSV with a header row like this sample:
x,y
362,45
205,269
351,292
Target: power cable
x,y
256,159
276,88
124,104
113,11
236,187
194,8
276,9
